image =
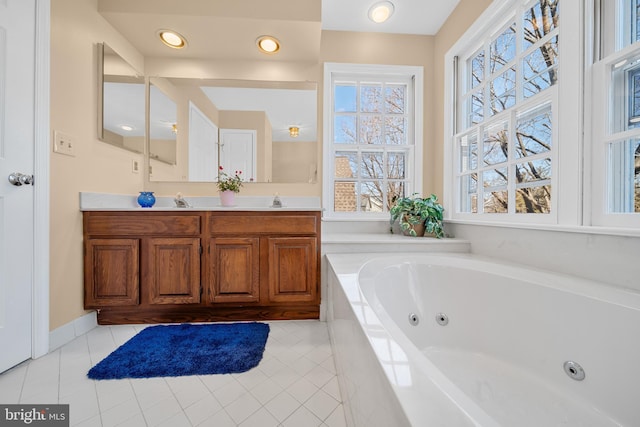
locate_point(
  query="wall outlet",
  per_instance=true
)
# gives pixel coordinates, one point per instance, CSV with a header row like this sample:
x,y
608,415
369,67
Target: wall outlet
x,y
135,166
63,144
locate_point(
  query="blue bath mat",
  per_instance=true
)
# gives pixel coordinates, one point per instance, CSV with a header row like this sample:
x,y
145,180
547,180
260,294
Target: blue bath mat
x,y
176,350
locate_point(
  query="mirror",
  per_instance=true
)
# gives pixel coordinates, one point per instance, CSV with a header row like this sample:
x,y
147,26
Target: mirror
x,y
163,130
241,125
121,102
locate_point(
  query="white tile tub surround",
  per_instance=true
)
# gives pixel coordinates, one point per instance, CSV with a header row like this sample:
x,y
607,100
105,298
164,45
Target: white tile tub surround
x,y
500,359
106,201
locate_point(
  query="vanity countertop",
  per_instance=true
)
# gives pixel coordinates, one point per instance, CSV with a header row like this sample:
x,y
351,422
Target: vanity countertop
x,y
127,202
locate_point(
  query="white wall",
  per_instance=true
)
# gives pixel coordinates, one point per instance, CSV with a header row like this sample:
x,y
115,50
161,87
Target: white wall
x,y
600,257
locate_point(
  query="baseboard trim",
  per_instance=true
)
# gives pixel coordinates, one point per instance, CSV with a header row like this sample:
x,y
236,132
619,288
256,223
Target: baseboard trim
x,y
126,315
67,333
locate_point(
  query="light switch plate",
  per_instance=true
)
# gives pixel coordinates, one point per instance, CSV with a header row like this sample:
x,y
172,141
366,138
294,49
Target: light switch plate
x,y
63,144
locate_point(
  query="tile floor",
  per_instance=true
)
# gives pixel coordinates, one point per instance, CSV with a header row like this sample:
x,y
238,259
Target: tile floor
x,y
294,385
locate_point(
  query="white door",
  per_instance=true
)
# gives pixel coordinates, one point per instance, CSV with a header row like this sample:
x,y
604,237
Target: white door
x,y
203,146
17,109
238,152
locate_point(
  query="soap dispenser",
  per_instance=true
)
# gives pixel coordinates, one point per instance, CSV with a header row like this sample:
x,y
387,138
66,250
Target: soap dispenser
x,y
277,203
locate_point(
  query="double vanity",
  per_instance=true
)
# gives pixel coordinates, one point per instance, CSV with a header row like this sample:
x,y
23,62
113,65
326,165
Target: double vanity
x,y
205,263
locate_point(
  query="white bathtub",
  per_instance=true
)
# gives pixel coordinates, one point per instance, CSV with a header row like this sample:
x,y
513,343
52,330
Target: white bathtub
x,y
499,361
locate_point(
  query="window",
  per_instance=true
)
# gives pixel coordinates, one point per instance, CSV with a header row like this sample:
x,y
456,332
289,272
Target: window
x,y
370,150
616,112
547,110
505,146
618,25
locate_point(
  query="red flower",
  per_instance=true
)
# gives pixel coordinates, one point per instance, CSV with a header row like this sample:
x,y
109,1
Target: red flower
x,y
229,183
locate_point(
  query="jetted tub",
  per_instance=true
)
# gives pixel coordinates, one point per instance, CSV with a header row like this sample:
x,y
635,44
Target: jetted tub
x,y
458,340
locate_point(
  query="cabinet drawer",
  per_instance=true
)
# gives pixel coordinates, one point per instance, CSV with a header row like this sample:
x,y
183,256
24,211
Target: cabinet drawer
x,y
138,225
246,224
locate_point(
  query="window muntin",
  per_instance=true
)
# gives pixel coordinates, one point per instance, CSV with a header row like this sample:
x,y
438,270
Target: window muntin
x,y
508,82
506,144
371,142
515,159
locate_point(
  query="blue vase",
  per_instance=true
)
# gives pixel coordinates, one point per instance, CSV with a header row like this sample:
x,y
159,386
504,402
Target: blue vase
x,y
146,199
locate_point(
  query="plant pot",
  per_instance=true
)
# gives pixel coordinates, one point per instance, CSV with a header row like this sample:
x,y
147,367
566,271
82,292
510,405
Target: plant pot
x,y
227,198
413,230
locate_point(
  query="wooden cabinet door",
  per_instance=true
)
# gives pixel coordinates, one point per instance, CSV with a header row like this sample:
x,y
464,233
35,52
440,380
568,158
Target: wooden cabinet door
x,y
111,274
172,270
293,269
234,273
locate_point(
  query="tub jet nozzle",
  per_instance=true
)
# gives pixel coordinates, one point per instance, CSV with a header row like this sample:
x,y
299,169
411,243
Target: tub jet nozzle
x,y
574,370
442,319
413,319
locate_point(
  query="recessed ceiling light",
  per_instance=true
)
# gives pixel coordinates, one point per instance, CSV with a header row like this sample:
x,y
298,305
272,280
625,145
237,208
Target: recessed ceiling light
x,y
126,128
381,11
268,44
172,39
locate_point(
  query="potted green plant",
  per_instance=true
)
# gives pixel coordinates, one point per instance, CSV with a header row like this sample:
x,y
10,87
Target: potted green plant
x,y
418,215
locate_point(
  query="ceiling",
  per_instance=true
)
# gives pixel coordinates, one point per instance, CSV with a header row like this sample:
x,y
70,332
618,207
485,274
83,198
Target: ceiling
x,y
225,30
410,17
219,29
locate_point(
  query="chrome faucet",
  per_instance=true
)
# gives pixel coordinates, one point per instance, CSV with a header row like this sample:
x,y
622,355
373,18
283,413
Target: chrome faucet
x,y
277,203
180,202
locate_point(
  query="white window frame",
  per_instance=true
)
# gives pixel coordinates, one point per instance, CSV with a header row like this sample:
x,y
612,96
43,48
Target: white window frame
x,y
567,165
605,13
614,51
414,162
